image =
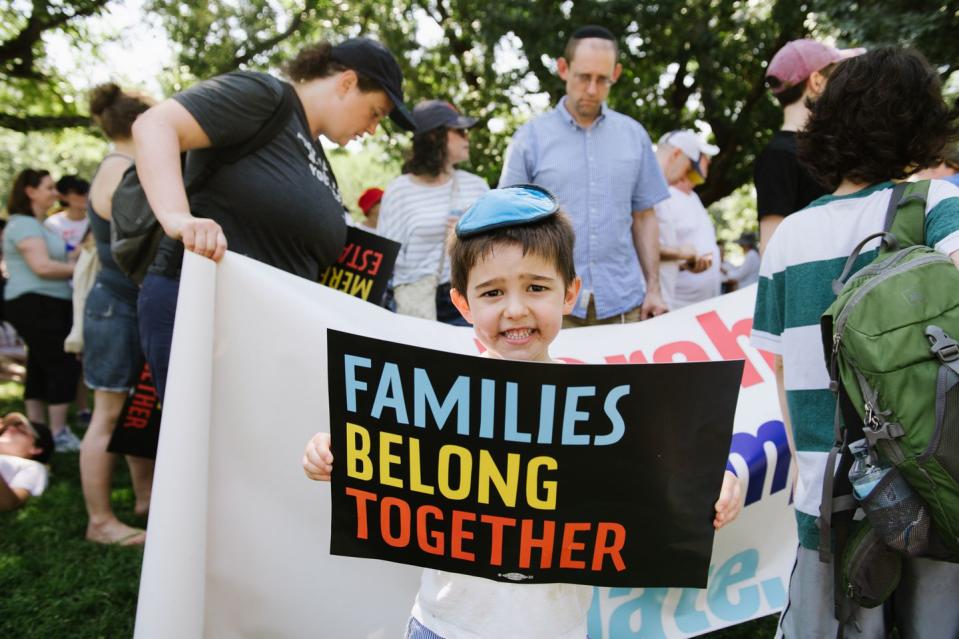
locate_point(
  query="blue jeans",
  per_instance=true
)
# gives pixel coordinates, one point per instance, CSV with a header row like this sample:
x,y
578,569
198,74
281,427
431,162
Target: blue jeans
x,y
156,310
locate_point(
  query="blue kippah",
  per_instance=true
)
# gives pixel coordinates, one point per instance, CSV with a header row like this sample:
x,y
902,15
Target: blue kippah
x,y
510,206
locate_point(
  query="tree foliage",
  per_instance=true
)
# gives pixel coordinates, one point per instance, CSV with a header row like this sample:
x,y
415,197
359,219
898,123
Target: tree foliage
x,y
687,63
44,100
928,25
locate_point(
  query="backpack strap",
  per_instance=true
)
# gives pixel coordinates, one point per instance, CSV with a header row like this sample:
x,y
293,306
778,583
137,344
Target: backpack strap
x,y
906,215
904,226
268,130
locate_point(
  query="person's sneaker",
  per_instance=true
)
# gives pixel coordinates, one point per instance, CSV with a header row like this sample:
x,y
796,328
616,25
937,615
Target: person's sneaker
x,y
65,441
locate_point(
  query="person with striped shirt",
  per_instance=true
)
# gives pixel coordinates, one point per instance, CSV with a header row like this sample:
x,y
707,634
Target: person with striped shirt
x,y
880,118
420,207
601,166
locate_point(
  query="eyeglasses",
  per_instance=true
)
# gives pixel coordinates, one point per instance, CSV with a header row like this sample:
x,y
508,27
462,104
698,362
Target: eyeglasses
x,y
586,79
463,133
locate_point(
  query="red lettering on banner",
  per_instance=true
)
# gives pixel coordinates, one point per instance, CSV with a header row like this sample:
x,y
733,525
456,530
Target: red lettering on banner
x,y
356,264
435,526
401,540
422,534
139,411
570,544
143,402
496,546
613,550
135,422
458,535
362,496
345,253
725,341
376,259
545,543
690,350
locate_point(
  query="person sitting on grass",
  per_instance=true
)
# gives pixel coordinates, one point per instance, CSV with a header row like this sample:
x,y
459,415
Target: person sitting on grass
x,y
513,279
24,449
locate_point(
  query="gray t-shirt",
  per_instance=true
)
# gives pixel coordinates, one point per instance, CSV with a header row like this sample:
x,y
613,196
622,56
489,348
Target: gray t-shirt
x,y
280,205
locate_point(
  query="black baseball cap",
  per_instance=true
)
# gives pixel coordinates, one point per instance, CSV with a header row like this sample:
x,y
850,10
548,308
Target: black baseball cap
x,y
375,61
432,114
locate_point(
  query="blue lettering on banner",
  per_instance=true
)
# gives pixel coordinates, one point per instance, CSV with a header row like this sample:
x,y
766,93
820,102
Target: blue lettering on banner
x,y
731,598
751,448
458,397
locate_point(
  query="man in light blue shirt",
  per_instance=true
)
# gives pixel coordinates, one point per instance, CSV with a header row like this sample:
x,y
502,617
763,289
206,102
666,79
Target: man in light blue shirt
x,y
601,166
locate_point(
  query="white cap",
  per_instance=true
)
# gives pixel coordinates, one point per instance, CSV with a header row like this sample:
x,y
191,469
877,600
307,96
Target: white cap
x,y
691,145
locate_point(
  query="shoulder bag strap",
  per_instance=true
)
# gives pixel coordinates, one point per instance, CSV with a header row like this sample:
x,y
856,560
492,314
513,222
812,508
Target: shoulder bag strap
x,y
268,130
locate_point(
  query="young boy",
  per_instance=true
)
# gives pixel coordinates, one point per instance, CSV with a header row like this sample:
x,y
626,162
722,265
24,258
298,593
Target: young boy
x,y
513,278
23,449
880,118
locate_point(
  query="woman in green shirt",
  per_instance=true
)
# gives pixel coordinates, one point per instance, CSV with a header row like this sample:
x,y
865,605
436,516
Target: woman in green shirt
x,y
38,303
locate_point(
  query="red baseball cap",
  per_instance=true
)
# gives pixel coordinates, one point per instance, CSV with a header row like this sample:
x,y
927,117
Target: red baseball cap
x,y
369,199
799,59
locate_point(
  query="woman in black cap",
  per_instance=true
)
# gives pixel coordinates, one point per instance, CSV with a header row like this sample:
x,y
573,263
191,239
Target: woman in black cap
x,y
420,206
279,203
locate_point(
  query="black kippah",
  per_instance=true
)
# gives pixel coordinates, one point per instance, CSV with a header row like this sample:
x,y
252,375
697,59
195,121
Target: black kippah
x,y
593,31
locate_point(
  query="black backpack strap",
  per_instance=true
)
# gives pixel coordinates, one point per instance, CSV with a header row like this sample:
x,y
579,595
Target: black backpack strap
x,y
268,130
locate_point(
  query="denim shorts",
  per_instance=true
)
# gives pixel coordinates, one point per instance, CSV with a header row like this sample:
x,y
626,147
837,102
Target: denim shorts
x,y
111,342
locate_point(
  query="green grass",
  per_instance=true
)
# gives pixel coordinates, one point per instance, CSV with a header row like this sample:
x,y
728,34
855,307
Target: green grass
x,y
55,584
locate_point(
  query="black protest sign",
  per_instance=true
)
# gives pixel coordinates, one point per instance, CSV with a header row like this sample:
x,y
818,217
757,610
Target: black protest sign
x,y
138,427
519,471
365,266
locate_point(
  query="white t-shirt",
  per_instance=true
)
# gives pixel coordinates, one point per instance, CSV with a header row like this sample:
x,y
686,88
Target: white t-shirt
x,y
748,272
694,226
668,269
458,606
72,231
416,216
19,472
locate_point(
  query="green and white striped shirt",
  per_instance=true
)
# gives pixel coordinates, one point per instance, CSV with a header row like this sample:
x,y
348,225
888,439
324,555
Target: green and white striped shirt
x,y
807,252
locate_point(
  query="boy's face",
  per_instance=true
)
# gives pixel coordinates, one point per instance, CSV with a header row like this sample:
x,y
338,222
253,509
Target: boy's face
x,y
516,303
16,439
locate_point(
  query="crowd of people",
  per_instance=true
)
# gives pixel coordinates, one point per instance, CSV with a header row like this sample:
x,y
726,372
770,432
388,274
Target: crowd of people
x,y
626,239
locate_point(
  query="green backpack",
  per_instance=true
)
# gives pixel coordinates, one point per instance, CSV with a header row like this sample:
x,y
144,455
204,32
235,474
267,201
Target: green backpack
x,y
894,365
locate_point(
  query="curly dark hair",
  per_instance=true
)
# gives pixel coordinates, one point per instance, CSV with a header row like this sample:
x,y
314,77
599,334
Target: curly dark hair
x,y
430,152
881,117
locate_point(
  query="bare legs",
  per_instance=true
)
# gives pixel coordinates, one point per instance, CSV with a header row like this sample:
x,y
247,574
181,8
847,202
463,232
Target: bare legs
x,y
36,412
96,472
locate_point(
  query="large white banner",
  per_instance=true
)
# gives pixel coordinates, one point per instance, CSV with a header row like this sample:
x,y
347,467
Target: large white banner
x,y
238,543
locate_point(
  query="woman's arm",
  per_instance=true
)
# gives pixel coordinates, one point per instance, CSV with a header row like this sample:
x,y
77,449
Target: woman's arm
x,y
160,135
34,252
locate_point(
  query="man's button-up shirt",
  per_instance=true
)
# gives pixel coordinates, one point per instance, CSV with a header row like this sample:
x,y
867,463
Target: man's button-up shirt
x,y
601,175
